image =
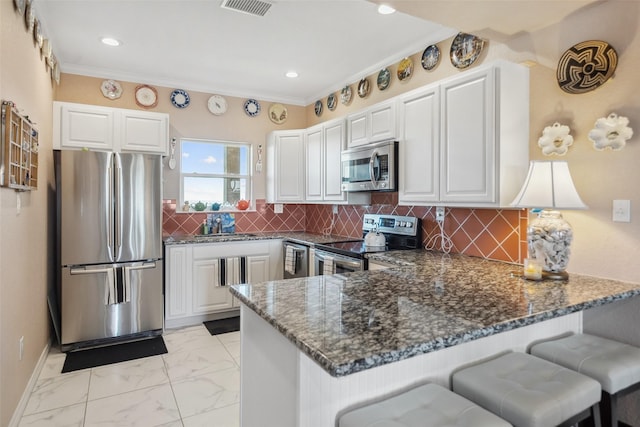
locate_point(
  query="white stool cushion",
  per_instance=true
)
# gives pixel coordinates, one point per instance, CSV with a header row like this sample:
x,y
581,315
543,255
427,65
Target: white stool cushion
x,y
614,364
527,391
429,405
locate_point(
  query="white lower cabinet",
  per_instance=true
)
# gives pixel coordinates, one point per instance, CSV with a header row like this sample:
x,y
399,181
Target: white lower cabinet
x,y
198,277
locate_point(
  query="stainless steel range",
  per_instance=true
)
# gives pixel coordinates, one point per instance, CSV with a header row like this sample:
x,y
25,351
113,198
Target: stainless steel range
x,y
400,232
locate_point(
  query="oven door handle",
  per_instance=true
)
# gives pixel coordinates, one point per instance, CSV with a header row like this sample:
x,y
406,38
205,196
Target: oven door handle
x,y
372,173
338,259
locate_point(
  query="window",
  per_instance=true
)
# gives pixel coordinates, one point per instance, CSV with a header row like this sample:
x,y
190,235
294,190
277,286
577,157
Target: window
x,y
214,172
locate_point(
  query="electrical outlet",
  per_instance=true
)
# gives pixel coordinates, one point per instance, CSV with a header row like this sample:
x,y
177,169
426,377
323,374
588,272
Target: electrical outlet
x,y
21,344
278,208
621,211
439,213
335,209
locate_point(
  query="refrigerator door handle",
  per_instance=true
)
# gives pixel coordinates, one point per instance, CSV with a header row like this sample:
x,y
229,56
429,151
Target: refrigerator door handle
x,y
118,208
110,218
126,277
111,291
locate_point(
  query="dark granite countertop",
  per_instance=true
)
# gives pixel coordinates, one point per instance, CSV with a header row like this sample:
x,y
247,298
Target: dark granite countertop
x,y
352,322
302,237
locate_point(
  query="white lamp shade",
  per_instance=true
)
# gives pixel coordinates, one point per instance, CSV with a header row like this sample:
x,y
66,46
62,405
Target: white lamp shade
x,y
548,185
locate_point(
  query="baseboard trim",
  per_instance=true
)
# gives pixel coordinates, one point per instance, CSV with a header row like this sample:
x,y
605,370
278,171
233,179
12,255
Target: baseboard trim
x,y
24,399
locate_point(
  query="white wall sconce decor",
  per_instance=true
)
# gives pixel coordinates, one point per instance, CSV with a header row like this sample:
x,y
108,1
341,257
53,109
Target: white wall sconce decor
x,y
610,132
555,139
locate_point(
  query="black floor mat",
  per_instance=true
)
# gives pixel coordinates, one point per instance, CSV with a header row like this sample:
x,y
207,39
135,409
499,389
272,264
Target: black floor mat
x,y
222,326
90,358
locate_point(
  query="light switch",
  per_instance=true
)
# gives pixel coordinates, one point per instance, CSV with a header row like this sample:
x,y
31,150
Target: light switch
x,y
622,211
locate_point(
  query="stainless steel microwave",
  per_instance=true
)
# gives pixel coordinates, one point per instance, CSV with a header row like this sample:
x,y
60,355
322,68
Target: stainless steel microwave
x,y
371,167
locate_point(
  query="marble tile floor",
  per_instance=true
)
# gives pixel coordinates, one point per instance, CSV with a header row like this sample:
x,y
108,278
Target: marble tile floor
x,y
197,383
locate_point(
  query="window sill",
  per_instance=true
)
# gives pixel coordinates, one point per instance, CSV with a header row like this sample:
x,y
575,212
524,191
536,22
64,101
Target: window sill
x,y
193,211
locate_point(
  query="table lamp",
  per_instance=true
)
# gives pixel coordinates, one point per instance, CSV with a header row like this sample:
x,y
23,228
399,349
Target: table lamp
x,y
549,186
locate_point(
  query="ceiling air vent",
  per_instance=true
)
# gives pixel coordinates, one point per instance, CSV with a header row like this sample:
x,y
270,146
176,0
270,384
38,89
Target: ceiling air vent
x,y
252,7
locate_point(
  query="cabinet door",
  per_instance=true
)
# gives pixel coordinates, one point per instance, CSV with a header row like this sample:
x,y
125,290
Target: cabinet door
x,y
177,282
334,143
144,131
374,124
468,142
419,147
357,125
86,126
257,269
210,280
314,158
382,122
285,167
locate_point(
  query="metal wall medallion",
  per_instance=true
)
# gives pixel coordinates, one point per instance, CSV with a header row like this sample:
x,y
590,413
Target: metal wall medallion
x,y
585,66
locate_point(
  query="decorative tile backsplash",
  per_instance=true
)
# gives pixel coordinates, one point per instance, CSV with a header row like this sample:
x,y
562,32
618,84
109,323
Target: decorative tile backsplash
x,y
498,234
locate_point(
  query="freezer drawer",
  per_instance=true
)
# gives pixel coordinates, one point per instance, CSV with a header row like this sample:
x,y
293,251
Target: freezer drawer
x,y
102,302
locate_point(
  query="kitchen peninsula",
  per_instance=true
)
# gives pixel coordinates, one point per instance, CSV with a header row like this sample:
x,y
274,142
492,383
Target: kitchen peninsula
x,y
315,346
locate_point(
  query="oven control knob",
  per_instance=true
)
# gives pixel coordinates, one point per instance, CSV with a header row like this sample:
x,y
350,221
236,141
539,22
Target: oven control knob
x,y
383,184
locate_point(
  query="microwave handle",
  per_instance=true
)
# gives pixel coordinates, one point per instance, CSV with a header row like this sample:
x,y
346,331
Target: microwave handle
x,y
374,180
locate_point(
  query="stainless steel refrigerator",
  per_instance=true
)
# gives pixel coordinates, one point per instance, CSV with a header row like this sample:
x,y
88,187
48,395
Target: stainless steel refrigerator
x,y
110,278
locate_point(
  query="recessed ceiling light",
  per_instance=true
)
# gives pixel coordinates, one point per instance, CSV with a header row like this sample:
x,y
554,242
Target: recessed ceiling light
x,y
385,9
291,74
109,41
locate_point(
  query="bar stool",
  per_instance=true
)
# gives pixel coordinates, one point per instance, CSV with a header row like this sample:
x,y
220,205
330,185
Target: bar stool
x,y
529,392
616,366
428,405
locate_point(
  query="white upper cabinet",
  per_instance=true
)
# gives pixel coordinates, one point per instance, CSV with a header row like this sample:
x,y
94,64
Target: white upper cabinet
x,y
419,146
315,162
468,140
285,167
144,131
324,144
373,124
464,141
79,126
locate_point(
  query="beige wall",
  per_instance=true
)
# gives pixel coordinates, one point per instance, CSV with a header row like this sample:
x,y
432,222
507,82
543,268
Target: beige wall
x,y
26,261
194,121
601,247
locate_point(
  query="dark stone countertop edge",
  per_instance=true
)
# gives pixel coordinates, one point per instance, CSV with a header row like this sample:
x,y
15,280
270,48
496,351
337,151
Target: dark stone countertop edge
x,y
344,369
301,237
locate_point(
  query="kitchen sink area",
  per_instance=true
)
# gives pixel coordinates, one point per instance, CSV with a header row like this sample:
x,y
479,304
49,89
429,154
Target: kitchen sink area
x,y
219,236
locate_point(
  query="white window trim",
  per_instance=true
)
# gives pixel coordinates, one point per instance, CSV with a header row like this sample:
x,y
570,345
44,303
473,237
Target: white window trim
x,y
249,176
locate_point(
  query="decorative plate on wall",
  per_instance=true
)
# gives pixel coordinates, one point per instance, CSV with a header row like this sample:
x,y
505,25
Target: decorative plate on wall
x,y
37,33
465,49
610,132
278,113
180,98
585,66
345,95
111,89
430,57
29,17
318,108
19,5
332,102
555,140
217,105
384,78
405,69
364,87
252,107
146,96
